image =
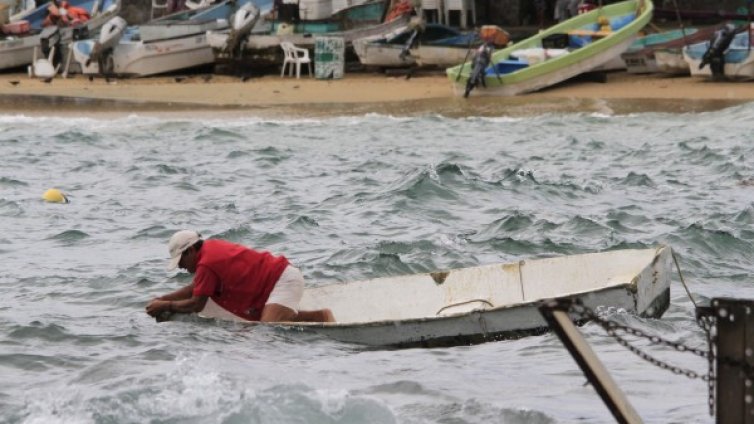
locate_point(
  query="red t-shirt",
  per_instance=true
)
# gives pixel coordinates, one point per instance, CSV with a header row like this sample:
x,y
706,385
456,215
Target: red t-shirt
x,y
237,278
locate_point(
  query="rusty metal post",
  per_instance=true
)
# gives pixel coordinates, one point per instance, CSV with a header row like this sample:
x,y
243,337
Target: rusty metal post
x,y
735,360
559,321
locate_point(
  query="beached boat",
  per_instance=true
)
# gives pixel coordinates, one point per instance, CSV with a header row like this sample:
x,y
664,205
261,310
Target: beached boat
x,y
640,57
739,58
424,45
667,57
349,24
18,49
580,44
483,303
167,44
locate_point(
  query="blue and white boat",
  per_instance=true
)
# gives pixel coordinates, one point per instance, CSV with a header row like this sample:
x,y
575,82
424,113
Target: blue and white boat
x,y
17,50
167,44
739,58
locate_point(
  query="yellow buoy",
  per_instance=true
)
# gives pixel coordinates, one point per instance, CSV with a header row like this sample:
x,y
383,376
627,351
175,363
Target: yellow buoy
x,y
54,195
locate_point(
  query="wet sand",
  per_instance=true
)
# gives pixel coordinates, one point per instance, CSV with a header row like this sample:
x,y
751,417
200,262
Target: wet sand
x,y
357,93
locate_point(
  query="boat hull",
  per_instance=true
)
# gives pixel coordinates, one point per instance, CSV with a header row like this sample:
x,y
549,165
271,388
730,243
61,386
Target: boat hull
x,y
476,327
17,52
140,59
671,62
440,56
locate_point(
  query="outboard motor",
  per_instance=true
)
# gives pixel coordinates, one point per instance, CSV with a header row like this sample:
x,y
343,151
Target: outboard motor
x,y
49,38
241,25
102,49
409,43
416,27
715,54
481,61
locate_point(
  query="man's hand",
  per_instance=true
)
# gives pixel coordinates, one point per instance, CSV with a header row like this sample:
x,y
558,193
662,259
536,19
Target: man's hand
x,y
156,307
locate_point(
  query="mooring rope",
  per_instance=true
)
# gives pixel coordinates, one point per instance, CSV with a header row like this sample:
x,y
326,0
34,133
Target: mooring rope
x,y
680,274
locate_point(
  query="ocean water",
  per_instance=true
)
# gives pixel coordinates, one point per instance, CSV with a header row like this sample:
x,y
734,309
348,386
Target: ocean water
x,y
349,198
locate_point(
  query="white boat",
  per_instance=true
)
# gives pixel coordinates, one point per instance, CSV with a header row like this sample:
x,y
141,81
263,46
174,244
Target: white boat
x,y
167,44
419,44
483,303
18,50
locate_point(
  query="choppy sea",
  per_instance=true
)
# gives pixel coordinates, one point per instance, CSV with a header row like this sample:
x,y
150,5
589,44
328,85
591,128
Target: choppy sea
x,y
351,198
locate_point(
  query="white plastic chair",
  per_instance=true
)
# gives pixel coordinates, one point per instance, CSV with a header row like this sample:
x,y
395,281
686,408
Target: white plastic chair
x,y
294,56
163,5
42,67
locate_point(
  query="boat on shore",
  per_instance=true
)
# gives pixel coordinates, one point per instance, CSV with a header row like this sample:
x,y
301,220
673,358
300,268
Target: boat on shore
x,y
640,57
580,44
420,44
483,303
738,57
167,44
17,49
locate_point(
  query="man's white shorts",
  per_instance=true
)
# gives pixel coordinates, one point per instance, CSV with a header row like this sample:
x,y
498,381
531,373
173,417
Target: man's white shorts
x,y
289,289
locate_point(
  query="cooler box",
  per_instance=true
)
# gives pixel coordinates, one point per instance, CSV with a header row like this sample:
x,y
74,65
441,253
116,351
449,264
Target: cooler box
x,y
329,57
17,27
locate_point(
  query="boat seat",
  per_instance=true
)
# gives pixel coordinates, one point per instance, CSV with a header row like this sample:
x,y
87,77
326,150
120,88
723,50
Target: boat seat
x,y
295,57
589,33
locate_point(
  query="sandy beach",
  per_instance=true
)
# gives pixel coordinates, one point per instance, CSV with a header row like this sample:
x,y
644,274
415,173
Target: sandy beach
x,y
358,93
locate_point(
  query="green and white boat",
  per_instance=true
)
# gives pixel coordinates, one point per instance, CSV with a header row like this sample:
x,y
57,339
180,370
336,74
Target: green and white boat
x,y
580,44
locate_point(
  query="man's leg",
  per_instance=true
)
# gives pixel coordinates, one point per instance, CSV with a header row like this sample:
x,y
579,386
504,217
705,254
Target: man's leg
x,y
274,312
320,315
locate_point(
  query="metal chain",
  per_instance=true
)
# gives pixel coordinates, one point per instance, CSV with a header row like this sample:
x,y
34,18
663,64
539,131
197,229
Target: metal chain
x,y
612,329
708,325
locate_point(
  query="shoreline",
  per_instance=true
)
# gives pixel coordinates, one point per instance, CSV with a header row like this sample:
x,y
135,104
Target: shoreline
x,y
358,94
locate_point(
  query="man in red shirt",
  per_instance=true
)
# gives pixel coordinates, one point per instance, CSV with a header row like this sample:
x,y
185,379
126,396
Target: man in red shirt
x,y
246,284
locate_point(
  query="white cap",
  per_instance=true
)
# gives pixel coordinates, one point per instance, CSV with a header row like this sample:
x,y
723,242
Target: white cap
x,y
178,243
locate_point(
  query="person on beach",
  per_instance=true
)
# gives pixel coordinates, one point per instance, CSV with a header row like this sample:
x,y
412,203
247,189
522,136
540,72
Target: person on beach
x,y
252,285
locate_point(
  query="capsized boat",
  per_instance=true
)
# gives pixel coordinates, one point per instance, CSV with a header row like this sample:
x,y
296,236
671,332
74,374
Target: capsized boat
x,y
483,303
575,46
167,44
18,49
